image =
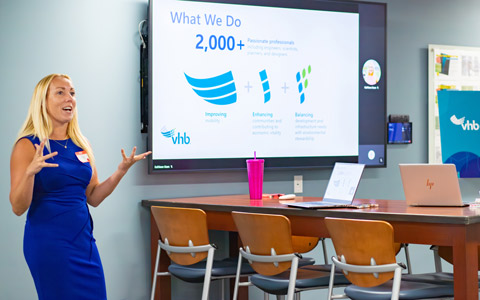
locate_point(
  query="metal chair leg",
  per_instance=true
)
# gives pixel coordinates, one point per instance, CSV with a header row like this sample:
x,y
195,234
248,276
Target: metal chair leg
x,y
155,275
208,274
223,282
324,248
436,259
407,257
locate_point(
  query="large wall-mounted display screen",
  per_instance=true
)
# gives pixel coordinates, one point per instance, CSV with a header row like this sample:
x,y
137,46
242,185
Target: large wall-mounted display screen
x,y
302,83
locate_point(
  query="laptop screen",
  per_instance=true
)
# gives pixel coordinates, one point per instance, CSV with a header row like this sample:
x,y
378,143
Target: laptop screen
x,y
343,182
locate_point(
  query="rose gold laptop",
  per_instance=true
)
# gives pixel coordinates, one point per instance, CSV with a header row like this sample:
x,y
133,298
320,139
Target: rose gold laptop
x,y
431,185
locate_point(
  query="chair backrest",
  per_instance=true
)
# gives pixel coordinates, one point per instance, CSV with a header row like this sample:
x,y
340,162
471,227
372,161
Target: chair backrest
x,y
260,233
358,241
178,226
303,244
397,247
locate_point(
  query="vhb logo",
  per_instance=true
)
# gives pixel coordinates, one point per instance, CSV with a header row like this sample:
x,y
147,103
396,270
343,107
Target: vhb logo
x,y
183,140
430,184
177,140
465,126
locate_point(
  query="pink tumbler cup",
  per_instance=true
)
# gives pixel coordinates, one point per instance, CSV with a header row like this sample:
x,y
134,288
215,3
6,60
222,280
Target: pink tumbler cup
x,y
255,177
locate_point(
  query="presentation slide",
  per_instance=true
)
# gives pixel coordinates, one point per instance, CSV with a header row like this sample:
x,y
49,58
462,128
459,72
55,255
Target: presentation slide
x,y
228,80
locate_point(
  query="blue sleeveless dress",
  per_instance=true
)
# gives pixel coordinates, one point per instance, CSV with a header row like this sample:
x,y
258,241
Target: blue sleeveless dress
x,y
58,242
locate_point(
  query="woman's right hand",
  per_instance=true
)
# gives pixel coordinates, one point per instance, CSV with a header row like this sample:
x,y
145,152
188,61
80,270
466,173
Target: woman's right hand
x,y
25,162
38,161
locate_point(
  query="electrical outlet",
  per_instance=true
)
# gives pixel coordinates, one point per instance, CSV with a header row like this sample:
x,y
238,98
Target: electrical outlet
x,y
298,184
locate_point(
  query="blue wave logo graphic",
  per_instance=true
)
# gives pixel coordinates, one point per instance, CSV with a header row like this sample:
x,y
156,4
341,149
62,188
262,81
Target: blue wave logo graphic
x,y
457,121
265,86
219,90
167,133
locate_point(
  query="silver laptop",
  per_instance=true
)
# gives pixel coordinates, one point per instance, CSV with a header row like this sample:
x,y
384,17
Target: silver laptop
x,y
341,188
431,185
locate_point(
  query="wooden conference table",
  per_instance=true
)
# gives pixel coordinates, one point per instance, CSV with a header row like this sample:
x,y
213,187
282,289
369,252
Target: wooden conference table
x,y
456,227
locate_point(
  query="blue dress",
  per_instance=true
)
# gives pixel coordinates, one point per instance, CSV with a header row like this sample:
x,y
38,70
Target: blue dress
x,y
58,243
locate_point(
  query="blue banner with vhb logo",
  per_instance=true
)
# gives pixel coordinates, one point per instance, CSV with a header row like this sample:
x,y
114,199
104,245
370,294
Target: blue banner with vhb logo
x,y
459,117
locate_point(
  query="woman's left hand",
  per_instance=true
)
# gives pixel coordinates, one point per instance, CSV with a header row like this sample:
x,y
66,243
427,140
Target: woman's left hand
x,y
96,192
128,161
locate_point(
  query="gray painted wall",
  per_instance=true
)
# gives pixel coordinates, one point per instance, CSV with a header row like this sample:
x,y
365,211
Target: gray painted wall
x,y
96,43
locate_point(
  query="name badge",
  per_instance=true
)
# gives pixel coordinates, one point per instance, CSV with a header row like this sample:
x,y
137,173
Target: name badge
x,y
82,156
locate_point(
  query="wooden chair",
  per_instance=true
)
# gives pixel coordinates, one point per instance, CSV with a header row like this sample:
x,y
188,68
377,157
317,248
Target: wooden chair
x,y
398,247
267,245
303,244
184,236
365,252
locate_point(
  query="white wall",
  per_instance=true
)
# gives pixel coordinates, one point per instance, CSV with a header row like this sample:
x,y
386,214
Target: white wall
x,y
96,43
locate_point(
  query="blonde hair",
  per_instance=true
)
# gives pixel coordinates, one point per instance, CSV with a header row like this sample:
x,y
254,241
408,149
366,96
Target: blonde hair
x,y
39,124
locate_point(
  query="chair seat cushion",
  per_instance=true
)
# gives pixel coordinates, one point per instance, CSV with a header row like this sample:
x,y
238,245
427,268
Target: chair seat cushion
x,y
408,290
307,277
227,267
196,273
247,269
436,278
306,261
328,268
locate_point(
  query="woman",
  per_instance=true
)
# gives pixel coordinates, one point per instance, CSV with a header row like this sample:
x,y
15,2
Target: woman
x,y
53,175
